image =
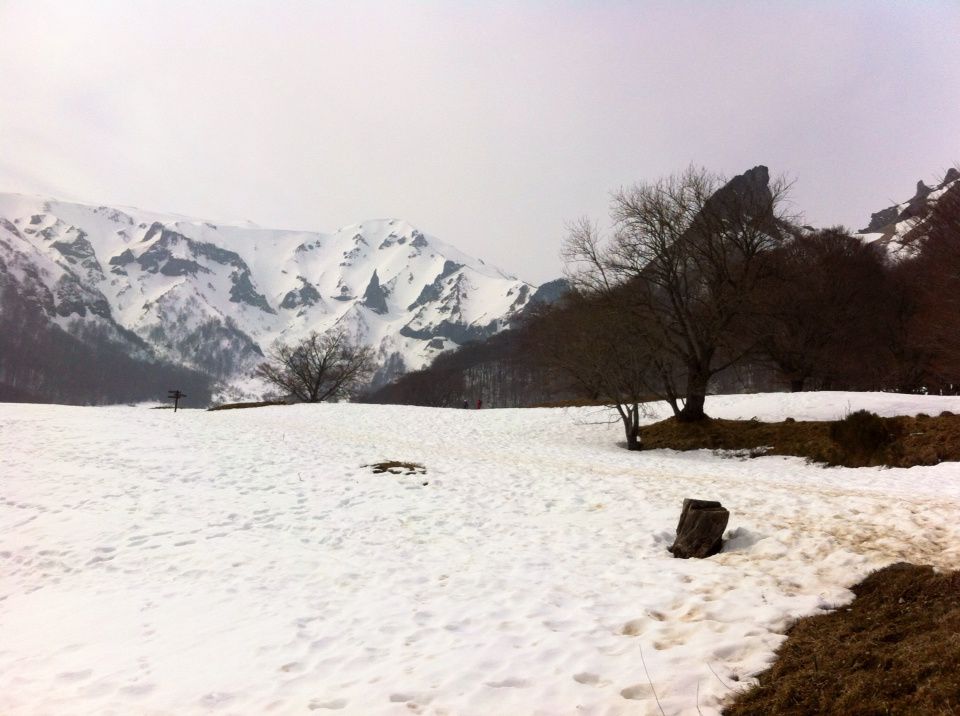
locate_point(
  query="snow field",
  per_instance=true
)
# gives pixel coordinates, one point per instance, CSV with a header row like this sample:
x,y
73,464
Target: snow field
x,y
246,562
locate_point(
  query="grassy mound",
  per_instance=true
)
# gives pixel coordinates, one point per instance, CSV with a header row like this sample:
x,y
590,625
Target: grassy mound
x,y
861,439
894,650
235,406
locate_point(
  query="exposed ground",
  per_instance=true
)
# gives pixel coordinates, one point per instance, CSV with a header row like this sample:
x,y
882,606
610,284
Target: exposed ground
x,y
237,406
397,467
894,650
914,440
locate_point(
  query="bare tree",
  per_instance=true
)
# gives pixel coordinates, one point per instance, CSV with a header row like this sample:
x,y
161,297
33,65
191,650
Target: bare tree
x,y
823,314
690,251
928,343
323,366
588,347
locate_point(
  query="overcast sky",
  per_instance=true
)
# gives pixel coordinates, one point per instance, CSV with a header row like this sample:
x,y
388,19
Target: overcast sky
x,y
489,125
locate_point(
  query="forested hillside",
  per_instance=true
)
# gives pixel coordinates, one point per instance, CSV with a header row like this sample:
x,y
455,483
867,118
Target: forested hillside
x,y
729,295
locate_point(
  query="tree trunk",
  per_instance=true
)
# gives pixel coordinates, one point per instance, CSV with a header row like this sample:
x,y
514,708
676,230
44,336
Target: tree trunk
x,y
670,395
697,380
631,426
674,405
700,530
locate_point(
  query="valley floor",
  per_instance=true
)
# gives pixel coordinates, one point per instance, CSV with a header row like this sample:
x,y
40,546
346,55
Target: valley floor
x,y
247,561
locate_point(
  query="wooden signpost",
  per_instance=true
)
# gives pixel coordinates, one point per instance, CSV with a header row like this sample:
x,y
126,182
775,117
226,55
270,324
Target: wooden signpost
x,y
175,396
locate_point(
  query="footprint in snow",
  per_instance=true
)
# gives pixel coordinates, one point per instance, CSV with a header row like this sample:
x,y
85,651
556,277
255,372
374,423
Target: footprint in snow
x,y
637,692
75,675
137,689
510,683
585,677
336,704
634,627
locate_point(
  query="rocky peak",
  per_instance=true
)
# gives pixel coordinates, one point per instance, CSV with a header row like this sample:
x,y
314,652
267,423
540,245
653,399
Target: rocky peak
x,y
896,227
375,297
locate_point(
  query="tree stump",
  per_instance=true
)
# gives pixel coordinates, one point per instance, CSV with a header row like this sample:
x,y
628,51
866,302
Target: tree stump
x,y
700,530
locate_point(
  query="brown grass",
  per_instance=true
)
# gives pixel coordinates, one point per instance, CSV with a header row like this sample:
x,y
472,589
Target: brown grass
x,y
894,650
397,467
920,440
585,402
236,406
571,403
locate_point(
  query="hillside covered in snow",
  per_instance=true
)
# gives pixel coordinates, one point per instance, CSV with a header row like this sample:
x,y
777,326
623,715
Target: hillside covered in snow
x,y
899,228
212,298
525,572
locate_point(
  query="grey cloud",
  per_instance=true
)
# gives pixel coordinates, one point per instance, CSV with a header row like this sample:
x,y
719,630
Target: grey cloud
x,y
487,124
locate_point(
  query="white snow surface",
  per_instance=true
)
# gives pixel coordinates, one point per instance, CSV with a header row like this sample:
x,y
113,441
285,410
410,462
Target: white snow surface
x,y
247,562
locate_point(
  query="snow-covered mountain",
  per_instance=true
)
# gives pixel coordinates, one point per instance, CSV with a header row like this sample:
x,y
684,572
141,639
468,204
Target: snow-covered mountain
x,y
214,297
898,228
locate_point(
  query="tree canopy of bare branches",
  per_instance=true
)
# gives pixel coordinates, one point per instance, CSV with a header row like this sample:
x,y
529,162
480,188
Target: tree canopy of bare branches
x,y
824,313
933,276
685,259
592,351
323,366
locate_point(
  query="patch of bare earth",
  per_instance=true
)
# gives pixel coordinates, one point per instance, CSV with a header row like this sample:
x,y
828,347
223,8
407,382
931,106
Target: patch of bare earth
x,y
908,441
238,406
398,467
894,650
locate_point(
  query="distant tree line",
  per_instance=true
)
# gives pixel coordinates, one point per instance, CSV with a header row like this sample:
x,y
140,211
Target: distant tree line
x,y
41,362
707,284
500,371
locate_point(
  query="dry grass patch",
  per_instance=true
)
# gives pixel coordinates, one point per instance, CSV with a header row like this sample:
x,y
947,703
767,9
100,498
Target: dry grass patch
x,y
856,441
236,406
397,467
894,650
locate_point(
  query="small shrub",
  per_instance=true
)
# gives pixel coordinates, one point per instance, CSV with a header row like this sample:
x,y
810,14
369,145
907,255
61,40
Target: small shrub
x,y
789,420
922,415
863,435
946,414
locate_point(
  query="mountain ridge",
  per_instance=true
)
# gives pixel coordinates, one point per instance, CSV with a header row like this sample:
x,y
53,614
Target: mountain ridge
x,y
898,228
214,297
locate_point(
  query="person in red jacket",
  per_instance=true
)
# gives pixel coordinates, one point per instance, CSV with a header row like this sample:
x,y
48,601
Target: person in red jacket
x,y
479,403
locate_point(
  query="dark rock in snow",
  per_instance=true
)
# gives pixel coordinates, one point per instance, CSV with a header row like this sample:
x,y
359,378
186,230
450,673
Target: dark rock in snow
x,y
182,267
122,259
432,291
457,332
880,219
306,295
375,297
242,291
550,292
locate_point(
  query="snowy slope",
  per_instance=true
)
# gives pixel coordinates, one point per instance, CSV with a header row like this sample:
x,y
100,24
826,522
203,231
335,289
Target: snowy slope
x,y
247,562
896,227
215,297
